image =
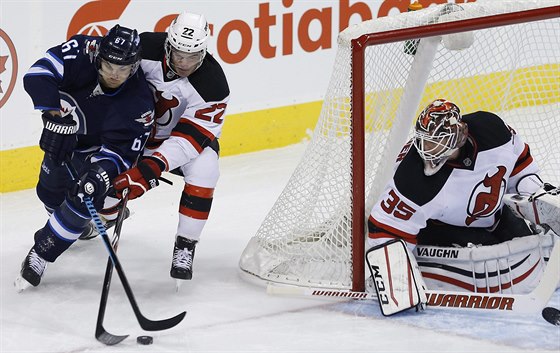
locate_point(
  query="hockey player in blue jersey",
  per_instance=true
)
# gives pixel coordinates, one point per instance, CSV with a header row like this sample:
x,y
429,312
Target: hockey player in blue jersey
x,y
97,111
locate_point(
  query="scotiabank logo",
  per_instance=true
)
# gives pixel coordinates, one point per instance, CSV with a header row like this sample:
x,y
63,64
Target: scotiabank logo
x,y
8,67
91,18
238,38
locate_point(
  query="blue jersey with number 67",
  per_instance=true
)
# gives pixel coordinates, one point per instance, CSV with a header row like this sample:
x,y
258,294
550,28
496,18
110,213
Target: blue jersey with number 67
x,y
113,124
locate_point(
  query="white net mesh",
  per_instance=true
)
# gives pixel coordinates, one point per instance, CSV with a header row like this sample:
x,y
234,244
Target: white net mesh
x,y
511,70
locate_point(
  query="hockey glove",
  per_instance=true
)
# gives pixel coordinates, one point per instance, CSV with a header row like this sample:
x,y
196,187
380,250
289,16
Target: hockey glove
x,y
94,182
139,179
59,136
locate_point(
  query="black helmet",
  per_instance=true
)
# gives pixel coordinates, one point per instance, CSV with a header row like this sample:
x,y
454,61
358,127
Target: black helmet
x,y
120,46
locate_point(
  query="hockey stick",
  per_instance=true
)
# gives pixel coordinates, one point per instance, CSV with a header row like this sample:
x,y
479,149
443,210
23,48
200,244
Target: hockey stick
x,y
145,323
533,302
100,333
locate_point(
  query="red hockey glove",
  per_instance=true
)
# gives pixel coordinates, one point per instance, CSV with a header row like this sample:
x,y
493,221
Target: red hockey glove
x,y
139,179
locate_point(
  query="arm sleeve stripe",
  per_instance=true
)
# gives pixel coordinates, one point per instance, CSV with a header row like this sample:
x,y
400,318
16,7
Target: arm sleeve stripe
x,y
380,230
196,135
523,161
39,71
56,63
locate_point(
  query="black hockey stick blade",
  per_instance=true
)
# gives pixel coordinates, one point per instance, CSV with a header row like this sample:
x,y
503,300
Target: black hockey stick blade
x,y
150,325
108,338
551,315
100,333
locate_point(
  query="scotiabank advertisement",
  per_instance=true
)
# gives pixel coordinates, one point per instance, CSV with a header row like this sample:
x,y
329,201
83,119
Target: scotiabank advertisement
x,y
274,53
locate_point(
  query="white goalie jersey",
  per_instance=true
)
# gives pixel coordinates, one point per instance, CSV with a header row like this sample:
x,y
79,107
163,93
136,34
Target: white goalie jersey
x,y
466,192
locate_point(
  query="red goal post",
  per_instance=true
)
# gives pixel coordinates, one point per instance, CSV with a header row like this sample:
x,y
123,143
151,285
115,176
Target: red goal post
x,y
314,234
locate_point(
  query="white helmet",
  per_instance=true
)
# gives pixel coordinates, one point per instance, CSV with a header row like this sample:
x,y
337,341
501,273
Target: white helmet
x,y
188,33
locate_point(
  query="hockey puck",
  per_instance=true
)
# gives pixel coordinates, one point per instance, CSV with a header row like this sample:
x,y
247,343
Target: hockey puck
x,y
551,315
145,340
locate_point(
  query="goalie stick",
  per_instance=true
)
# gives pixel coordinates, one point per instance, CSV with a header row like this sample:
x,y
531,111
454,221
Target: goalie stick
x,y
532,302
145,323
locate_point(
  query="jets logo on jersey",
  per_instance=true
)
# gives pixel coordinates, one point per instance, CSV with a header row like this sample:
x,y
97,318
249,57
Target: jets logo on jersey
x,y
69,107
147,118
486,197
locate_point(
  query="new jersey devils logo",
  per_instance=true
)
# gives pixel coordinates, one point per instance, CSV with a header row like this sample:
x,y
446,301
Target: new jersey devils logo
x,y
486,196
164,108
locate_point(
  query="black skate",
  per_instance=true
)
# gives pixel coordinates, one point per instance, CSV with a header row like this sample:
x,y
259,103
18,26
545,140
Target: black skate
x,y
32,270
91,231
183,255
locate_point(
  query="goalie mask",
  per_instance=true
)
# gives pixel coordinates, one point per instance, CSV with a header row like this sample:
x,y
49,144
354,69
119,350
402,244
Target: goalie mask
x,y
438,133
185,46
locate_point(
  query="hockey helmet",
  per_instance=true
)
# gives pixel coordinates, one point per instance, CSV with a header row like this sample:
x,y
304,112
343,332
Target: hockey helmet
x,y
438,133
120,46
187,34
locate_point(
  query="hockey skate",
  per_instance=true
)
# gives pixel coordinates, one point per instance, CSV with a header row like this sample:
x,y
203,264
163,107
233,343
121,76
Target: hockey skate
x,y
91,231
32,270
182,262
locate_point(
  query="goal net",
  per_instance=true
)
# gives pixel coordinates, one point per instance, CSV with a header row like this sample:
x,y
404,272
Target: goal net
x,y
498,56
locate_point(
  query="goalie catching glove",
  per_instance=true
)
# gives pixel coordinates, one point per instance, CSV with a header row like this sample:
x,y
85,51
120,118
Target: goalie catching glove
x,y
542,207
139,179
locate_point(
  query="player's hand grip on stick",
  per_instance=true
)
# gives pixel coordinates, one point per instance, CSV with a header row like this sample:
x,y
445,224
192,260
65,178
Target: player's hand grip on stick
x,y
93,182
139,179
58,138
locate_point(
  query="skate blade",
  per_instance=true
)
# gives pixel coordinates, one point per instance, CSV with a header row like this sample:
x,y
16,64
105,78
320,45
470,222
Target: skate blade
x,y
178,284
21,284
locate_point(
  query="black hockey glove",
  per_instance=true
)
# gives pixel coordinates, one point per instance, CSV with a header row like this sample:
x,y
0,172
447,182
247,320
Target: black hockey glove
x,y
59,136
94,182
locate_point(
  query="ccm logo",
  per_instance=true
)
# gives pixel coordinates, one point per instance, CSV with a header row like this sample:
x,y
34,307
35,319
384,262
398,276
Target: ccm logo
x,y
380,284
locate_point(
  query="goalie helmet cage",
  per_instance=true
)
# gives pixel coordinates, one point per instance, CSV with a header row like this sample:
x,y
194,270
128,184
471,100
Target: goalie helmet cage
x,y
386,70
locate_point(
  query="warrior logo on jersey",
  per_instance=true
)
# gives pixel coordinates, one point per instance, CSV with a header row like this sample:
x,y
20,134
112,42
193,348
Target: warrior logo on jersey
x,y
486,196
164,108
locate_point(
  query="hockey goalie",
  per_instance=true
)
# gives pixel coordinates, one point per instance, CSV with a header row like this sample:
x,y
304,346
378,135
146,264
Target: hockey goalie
x,y
441,223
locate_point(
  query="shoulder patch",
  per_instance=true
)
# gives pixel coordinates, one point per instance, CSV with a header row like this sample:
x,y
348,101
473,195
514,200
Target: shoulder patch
x,y
147,118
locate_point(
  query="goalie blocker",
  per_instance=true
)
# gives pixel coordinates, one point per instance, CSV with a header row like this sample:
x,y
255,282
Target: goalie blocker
x,y
396,277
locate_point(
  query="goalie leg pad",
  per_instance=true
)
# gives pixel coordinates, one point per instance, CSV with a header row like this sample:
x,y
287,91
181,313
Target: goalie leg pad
x,y
396,277
511,267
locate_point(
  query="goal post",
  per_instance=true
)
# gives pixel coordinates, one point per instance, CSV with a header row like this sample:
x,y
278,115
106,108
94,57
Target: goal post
x,y
500,56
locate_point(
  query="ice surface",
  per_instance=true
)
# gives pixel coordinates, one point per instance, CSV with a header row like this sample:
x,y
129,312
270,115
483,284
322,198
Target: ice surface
x,y
224,312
